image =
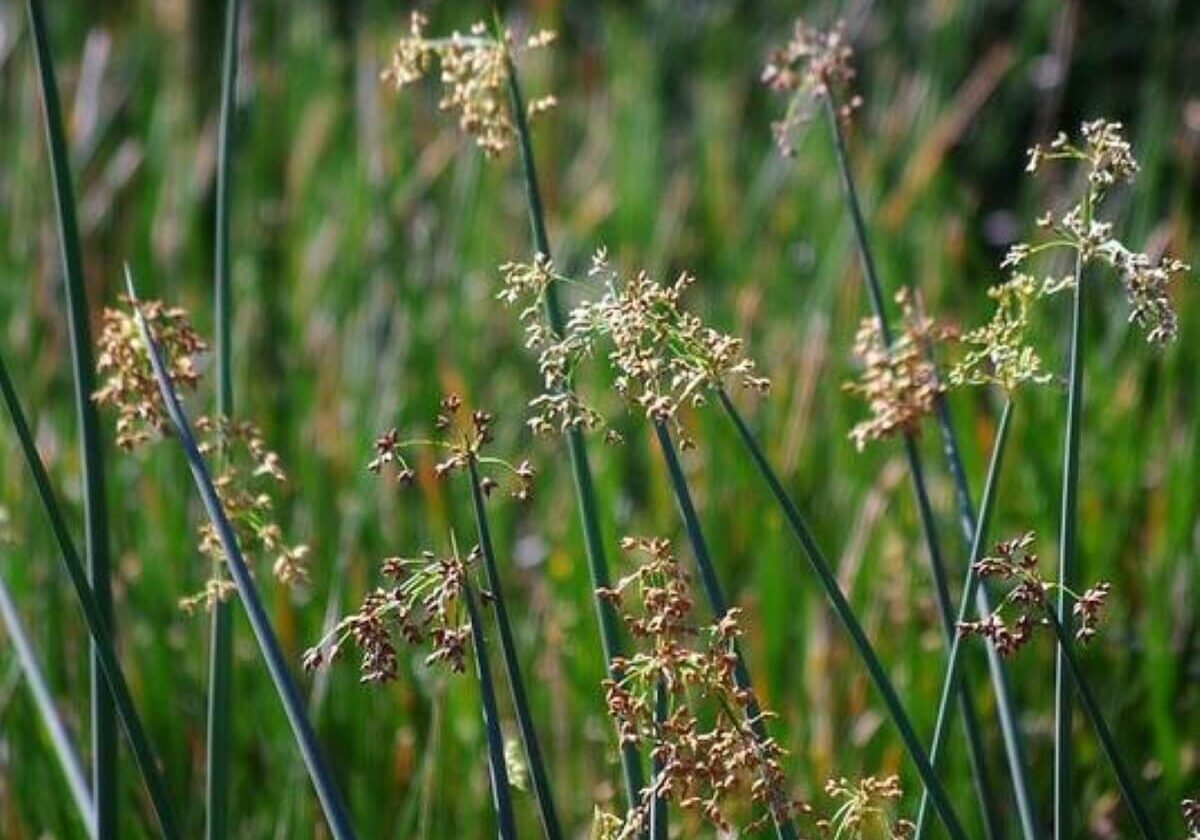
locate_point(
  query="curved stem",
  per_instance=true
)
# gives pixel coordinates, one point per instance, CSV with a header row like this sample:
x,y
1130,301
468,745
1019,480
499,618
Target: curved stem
x,y
845,612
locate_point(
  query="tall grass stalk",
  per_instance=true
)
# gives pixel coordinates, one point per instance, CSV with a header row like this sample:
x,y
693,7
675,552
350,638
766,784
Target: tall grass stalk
x,y
497,770
660,825
327,791
950,681
93,613
95,513
1063,794
845,612
585,493
56,729
713,591
220,653
508,648
975,747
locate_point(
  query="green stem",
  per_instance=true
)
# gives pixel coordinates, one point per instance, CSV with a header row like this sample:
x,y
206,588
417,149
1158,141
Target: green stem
x,y
293,705
508,648
585,493
220,661
497,770
110,668
104,730
975,746
845,612
711,585
950,681
659,818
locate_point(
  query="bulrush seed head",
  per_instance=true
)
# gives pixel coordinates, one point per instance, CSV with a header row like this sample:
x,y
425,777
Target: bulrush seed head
x,y
899,383
866,810
474,74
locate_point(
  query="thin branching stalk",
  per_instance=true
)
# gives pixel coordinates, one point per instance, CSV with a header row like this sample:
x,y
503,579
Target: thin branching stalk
x,y
975,746
1063,799
497,770
950,681
660,825
220,654
713,591
1125,779
585,493
95,513
845,612
508,648
327,791
60,738
110,668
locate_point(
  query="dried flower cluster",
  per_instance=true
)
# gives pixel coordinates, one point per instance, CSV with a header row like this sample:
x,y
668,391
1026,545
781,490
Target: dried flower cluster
x,y
1014,562
709,755
814,64
462,439
246,468
899,383
423,601
123,365
662,357
474,75
866,810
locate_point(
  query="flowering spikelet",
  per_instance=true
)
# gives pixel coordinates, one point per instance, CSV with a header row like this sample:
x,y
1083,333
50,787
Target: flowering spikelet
x,y
709,755
814,64
999,351
123,365
423,601
866,810
1014,562
474,75
662,357
899,383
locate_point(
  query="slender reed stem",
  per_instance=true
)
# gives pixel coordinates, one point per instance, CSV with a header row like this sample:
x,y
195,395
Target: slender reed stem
x,y
845,612
1063,794
327,791
950,681
60,738
711,585
1125,779
508,648
497,770
110,668
975,747
104,729
659,818
585,493
220,654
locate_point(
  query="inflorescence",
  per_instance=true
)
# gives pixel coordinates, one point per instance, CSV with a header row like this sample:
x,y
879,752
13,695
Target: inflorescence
x,y
866,809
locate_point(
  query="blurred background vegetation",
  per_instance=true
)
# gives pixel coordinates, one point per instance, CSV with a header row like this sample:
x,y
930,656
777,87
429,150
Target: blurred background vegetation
x,y
366,235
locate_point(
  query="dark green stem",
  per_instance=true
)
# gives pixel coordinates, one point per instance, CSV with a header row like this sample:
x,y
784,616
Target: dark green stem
x,y
497,770
508,648
110,668
104,730
845,612
659,818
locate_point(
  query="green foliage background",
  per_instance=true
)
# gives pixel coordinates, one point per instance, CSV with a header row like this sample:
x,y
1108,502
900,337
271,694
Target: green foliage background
x,y
366,235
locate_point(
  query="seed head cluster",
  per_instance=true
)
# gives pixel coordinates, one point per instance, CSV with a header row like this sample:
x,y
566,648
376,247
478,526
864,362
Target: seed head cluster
x,y
1190,809
866,809
711,760
1028,602
999,352
474,72
814,64
899,383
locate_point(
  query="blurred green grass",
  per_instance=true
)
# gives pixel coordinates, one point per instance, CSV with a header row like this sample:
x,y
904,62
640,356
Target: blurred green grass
x,y
366,234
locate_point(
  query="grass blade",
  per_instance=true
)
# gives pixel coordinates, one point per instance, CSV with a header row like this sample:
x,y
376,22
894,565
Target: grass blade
x,y
508,648
110,667
60,739
497,770
711,585
285,686
220,661
585,493
975,748
104,729
845,612
951,679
